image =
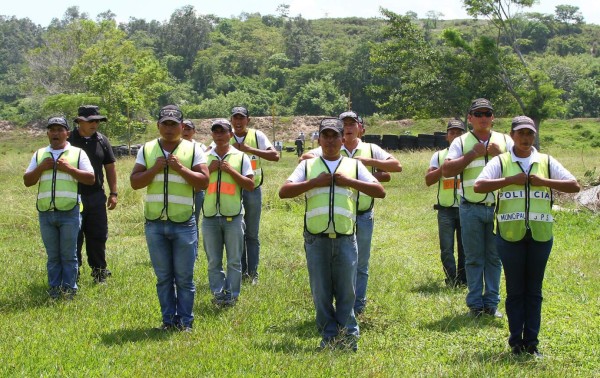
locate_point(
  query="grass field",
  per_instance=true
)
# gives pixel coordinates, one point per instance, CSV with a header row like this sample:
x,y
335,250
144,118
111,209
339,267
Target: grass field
x,y
413,325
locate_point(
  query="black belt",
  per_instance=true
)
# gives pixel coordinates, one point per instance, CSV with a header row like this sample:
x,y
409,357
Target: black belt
x,y
333,235
479,203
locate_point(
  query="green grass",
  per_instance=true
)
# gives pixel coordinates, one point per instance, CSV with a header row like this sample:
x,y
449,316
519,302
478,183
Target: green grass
x,y
413,326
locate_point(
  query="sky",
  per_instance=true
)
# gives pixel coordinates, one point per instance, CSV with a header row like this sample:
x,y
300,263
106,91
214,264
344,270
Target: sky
x,y
43,11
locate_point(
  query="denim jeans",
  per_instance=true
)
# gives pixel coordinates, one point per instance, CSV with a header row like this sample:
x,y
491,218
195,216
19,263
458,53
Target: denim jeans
x,y
228,232
524,265
172,247
482,263
59,231
251,251
364,234
198,203
448,226
331,271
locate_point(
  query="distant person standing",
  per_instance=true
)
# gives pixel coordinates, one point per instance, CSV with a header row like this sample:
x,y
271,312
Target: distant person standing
x,y
59,168
299,147
257,146
448,199
189,130
94,219
223,222
467,155
171,169
525,179
331,184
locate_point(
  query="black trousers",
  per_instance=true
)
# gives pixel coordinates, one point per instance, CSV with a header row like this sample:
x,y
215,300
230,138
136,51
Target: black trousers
x,y
94,230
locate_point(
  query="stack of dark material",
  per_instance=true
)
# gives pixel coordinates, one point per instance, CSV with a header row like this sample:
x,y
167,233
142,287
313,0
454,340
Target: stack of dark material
x,y
375,139
407,142
389,142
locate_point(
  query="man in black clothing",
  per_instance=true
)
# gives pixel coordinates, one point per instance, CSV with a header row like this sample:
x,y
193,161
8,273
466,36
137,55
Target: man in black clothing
x,y
94,220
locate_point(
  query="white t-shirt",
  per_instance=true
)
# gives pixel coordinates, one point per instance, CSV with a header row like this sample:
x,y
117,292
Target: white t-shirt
x,y
199,156
84,160
378,152
299,174
493,169
455,151
262,141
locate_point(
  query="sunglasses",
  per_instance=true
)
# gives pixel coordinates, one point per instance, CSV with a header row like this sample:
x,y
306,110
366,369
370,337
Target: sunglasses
x,y
488,114
170,113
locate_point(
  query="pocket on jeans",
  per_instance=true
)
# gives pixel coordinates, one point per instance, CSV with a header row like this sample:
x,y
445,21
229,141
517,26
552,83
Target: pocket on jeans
x,y
309,238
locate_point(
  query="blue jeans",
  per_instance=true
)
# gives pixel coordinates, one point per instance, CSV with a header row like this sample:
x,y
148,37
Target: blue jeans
x,y
199,201
172,247
364,234
59,231
449,225
482,263
331,271
228,232
251,251
524,265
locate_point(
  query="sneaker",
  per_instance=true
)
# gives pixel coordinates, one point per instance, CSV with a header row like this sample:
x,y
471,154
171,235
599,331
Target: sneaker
x,y
533,350
100,275
69,293
54,292
186,329
475,312
326,343
349,342
518,349
165,327
492,311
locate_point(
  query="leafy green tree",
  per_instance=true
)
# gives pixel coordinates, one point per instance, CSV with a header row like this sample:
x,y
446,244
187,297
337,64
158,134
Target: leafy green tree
x,y
320,97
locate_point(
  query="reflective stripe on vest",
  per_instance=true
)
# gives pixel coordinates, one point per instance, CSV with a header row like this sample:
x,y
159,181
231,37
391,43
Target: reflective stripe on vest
x,y
472,171
448,194
365,202
251,140
58,190
223,195
169,196
524,207
336,204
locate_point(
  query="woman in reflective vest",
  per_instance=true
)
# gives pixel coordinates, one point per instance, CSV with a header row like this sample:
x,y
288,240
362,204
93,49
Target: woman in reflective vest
x,y
524,239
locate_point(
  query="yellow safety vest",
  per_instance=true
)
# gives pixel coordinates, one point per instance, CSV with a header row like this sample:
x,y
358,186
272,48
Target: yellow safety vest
x,y
223,195
472,171
58,190
251,140
336,204
522,207
365,202
448,194
169,196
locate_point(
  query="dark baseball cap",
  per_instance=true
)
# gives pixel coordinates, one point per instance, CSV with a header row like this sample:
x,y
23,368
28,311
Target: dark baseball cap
x,y
170,113
334,124
189,123
481,103
89,113
222,123
522,122
61,121
350,114
456,124
240,110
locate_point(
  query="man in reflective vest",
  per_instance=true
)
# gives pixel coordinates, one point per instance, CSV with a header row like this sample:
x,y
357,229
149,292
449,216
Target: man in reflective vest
x,y
59,168
255,144
223,223
172,169
467,156
448,198
525,179
331,184
379,162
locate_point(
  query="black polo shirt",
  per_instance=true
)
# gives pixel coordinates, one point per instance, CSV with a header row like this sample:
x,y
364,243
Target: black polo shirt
x,y
98,149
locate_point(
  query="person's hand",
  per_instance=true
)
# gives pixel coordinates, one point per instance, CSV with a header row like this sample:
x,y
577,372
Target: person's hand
x,y
111,202
226,167
241,146
518,179
493,149
365,160
322,180
214,166
63,165
479,149
160,164
173,162
46,164
536,180
340,179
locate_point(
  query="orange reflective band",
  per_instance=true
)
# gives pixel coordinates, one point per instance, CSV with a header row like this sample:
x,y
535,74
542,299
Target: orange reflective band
x,y
253,163
212,188
228,188
448,184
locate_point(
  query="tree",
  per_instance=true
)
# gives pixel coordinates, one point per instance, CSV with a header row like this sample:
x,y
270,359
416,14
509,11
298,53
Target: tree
x,y
568,14
319,97
531,89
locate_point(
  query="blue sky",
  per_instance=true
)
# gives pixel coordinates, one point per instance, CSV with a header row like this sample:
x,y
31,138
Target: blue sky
x,y
42,11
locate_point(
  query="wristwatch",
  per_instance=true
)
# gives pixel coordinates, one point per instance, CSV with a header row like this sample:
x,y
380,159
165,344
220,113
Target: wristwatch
x,y
114,194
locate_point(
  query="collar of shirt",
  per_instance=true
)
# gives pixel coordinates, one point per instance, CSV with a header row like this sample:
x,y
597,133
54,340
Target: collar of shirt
x,y
533,158
49,148
230,151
